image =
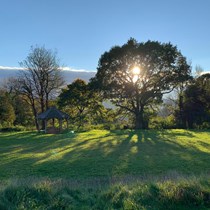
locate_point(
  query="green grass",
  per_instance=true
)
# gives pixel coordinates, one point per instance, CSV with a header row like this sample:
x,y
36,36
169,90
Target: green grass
x,y
189,193
104,153
167,169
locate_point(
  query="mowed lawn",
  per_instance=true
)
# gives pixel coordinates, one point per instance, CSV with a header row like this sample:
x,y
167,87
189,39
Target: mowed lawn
x,y
101,153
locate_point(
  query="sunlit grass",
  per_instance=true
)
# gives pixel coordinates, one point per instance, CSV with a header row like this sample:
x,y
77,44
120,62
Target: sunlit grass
x,y
104,153
99,169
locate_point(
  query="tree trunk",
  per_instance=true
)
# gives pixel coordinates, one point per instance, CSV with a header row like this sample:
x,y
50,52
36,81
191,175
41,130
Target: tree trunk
x,y
139,120
47,101
35,117
43,125
181,112
42,109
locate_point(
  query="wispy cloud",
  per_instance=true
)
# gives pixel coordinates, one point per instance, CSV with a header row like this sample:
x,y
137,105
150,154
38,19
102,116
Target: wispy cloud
x,y
10,68
76,70
62,68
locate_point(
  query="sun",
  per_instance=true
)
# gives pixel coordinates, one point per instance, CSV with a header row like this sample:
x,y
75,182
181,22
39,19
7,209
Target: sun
x,y
136,70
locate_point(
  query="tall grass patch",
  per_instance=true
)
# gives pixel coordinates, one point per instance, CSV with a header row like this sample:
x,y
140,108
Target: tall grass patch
x,y
182,193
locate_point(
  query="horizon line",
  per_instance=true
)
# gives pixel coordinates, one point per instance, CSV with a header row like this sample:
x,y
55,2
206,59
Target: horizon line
x,y
66,68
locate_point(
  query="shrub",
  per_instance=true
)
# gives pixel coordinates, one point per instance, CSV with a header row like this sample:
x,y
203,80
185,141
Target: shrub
x,y
16,128
162,122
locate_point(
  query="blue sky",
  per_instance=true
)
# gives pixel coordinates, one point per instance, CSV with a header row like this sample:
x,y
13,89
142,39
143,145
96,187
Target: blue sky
x,y
81,30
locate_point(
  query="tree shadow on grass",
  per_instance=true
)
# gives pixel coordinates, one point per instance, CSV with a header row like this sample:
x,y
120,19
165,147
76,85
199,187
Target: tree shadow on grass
x,y
116,153
136,152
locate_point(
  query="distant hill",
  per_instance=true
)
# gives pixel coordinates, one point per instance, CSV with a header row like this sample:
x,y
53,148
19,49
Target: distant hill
x,y
4,74
69,75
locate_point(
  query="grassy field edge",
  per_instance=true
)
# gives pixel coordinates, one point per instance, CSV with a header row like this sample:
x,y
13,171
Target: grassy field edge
x,y
180,192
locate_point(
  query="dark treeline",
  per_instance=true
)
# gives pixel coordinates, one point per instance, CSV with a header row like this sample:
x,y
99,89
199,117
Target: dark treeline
x,y
137,85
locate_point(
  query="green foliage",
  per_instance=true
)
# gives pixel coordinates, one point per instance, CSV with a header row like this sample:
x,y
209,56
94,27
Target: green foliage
x,y
7,113
13,128
14,111
197,102
23,113
204,125
158,122
82,104
162,67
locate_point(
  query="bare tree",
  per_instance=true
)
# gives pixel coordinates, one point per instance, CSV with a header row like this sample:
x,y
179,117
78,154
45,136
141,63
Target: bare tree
x,y
198,71
40,79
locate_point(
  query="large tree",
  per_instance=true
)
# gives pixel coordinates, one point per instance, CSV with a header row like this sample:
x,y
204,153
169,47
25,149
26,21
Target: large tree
x,y
136,75
40,79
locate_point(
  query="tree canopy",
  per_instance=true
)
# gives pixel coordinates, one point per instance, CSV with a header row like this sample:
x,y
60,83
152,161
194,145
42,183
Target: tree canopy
x,y
196,104
80,101
136,75
7,112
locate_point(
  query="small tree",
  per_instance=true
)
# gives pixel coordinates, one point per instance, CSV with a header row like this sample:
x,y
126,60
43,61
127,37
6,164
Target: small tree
x,y
196,104
198,70
7,112
80,101
23,114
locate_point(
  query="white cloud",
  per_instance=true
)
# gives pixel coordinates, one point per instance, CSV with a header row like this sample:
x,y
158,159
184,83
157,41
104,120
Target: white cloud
x,y
75,70
10,68
205,72
62,68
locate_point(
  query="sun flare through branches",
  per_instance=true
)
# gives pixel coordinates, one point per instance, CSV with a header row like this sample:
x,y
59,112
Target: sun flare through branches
x,y
135,71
